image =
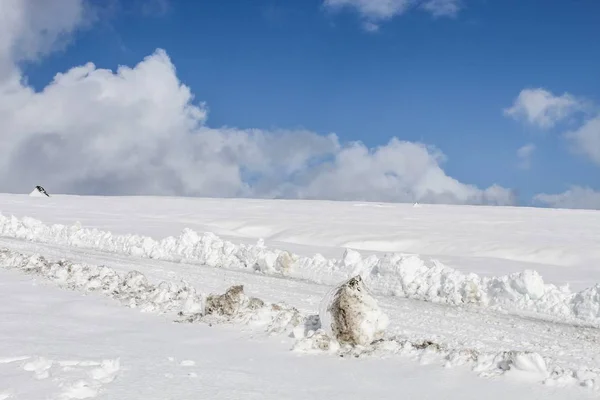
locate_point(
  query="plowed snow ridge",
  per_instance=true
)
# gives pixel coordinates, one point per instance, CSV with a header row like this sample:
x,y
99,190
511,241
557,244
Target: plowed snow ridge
x,y
134,290
389,275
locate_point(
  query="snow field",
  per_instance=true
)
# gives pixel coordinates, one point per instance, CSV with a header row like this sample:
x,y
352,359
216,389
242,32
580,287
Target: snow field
x,y
404,275
188,305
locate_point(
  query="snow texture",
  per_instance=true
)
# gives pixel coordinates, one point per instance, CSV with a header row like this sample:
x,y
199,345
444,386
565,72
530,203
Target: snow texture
x,y
36,192
134,290
397,274
81,379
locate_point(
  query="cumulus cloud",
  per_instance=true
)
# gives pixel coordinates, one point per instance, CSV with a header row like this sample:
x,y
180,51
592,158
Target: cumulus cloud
x,y
524,154
376,11
586,139
30,29
576,197
139,130
397,171
543,109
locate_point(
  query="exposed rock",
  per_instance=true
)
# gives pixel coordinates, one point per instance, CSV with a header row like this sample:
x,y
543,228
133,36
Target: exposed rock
x,y
228,304
351,315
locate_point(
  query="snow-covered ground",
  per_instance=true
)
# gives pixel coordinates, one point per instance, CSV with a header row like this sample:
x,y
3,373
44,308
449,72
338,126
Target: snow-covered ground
x,y
560,244
450,334
58,344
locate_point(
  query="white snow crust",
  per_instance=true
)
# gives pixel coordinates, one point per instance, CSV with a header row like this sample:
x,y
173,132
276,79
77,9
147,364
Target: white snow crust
x,y
404,275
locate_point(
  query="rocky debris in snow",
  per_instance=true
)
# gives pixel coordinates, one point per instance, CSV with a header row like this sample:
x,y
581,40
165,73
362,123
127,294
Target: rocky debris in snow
x,y
316,342
231,302
235,306
132,289
351,315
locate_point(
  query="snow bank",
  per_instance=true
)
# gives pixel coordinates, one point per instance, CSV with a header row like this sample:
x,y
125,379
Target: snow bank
x,y
389,275
523,364
134,290
349,314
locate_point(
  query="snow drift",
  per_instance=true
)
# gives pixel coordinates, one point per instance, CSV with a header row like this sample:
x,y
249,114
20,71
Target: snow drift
x,y
403,275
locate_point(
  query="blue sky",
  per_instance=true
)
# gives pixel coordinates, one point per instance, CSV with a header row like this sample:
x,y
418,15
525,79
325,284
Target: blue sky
x,y
443,81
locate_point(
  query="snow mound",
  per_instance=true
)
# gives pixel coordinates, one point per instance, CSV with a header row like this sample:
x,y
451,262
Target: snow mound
x,y
131,289
349,314
135,291
404,275
228,304
231,303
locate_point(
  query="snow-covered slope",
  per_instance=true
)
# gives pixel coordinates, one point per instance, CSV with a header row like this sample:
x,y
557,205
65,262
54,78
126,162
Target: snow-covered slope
x,y
393,275
489,241
541,340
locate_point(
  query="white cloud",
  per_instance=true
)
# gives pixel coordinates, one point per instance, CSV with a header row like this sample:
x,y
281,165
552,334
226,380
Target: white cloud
x,y
139,131
443,8
576,197
370,27
543,109
376,11
30,28
397,171
524,154
586,139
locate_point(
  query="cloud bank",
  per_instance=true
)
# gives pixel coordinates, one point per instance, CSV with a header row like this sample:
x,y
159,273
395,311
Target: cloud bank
x,y
576,197
586,139
543,109
138,130
373,12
